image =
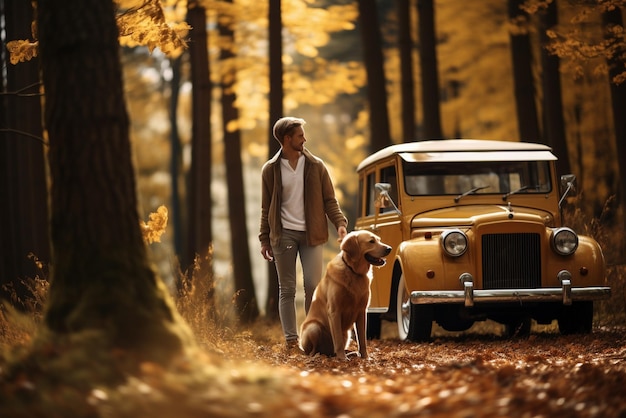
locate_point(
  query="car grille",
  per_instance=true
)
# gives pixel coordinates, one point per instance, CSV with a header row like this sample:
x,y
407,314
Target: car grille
x,y
511,261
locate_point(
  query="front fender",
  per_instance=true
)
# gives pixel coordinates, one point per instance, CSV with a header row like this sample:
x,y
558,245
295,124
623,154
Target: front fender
x,y
586,265
426,267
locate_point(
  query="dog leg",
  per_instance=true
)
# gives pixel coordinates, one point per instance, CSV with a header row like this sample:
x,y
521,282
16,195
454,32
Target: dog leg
x,y
349,336
361,326
334,320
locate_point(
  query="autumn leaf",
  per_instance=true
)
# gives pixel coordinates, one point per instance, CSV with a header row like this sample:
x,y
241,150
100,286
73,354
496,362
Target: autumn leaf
x,y
22,50
147,25
156,225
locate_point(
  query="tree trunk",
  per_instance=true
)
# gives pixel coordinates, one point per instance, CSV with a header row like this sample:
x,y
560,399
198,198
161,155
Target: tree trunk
x,y
430,70
554,124
102,280
276,112
376,82
618,103
528,124
175,157
407,90
23,183
242,267
199,231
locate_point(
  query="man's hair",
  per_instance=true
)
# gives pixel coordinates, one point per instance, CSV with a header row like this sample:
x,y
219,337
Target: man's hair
x,y
285,126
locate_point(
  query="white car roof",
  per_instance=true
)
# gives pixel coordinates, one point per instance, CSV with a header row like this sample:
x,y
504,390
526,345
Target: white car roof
x,y
455,150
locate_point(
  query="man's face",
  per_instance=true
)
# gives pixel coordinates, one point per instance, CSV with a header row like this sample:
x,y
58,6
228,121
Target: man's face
x,y
296,140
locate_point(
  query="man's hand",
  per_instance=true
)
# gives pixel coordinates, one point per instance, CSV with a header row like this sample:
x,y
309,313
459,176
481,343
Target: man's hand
x,y
341,233
267,253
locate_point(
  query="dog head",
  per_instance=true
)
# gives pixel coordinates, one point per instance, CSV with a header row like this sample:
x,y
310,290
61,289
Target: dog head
x,y
362,249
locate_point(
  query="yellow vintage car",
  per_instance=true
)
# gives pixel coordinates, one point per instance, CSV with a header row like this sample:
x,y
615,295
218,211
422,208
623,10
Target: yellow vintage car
x,y
477,233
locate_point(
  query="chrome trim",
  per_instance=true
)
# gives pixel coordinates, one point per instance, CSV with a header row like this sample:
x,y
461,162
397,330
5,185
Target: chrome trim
x,y
567,292
565,277
377,310
551,294
468,293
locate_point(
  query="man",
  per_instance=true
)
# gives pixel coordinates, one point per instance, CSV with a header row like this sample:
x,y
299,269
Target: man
x,y
297,198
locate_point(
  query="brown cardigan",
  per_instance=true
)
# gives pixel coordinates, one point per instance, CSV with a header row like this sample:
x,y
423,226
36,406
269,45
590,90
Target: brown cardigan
x,y
319,201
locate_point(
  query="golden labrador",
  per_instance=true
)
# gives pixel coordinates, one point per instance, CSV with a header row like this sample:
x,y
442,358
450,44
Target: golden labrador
x,y
341,298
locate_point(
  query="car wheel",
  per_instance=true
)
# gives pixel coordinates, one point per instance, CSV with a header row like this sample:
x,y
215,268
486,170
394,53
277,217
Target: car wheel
x,y
576,318
415,322
374,322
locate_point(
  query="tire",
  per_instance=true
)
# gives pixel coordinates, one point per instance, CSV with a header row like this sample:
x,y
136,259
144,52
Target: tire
x,y
415,322
374,322
576,318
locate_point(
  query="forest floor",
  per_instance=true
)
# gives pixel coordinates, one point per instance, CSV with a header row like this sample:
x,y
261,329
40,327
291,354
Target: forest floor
x,y
250,373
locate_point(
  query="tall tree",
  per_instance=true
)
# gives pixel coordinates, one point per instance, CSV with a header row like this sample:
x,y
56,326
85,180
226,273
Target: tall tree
x,y
613,22
102,281
176,155
521,55
376,82
403,8
23,185
430,69
199,230
242,267
554,124
276,112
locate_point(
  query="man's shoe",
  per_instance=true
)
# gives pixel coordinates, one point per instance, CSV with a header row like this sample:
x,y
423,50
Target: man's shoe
x,y
292,346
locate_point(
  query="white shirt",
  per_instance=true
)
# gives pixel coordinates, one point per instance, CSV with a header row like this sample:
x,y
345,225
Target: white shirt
x,y
292,209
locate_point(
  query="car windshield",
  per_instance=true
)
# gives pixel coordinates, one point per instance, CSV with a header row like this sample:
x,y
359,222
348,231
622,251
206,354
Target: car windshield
x,y
490,177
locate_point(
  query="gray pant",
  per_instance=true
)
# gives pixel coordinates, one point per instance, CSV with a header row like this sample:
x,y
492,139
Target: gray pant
x,y
291,244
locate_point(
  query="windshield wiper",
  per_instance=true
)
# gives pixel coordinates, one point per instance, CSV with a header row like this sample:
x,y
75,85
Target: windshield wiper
x,y
471,191
521,189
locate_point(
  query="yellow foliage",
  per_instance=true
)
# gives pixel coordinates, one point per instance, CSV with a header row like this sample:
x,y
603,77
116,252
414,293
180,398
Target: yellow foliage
x,y
318,82
311,26
22,50
153,23
156,225
147,25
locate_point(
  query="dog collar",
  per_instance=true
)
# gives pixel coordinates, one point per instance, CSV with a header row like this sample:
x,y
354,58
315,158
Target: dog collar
x,y
348,265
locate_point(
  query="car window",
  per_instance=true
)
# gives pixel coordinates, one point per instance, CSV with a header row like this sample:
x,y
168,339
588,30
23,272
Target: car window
x,y
388,175
360,205
431,178
370,204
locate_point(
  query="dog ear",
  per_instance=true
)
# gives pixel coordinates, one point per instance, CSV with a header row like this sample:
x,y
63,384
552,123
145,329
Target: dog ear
x,y
350,246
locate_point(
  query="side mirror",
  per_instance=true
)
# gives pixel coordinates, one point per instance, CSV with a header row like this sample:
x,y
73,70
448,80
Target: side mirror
x,y
383,200
382,195
568,180
568,183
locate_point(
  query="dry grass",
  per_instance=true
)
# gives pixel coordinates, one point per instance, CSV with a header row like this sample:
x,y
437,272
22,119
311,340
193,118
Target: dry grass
x,y
607,231
207,303
20,318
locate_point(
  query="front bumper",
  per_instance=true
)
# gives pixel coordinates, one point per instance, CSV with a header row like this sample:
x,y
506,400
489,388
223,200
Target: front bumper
x,y
565,294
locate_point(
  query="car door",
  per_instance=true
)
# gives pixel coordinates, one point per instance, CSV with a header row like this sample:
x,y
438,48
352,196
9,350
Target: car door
x,y
385,221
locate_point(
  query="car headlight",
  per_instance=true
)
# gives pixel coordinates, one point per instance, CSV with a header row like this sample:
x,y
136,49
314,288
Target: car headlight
x,y
454,242
564,241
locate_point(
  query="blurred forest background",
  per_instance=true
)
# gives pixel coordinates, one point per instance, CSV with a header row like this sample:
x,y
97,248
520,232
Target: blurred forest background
x,y
205,80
